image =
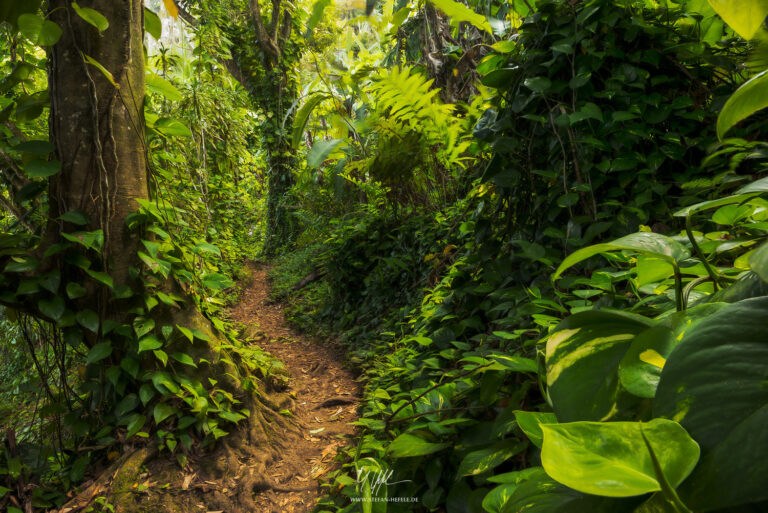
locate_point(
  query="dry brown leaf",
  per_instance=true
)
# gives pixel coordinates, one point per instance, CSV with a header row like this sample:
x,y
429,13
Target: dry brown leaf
x,y
187,480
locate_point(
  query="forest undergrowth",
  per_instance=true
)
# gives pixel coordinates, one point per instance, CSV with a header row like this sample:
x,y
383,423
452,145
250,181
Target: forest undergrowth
x,y
522,248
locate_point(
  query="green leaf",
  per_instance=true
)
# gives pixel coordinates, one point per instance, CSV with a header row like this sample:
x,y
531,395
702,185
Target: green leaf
x,y
744,16
538,84
459,12
51,281
317,13
611,459
135,424
582,360
92,16
205,247
146,393
162,356
130,365
496,499
714,384
39,168
39,30
52,308
184,358
530,422
152,24
172,127
75,290
515,363
90,240
162,411
641,242
161,86
483,460
88,319
101,277
231,416
302,116
149,343
758,262
96,64
35,147
10,11
640,368
217,281
142,326
320,151
407,445
186,332
748,99
98,352
77,217
22,265
540,494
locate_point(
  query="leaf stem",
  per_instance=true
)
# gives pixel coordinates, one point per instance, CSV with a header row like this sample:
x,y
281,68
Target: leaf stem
x,y
666,489
699,253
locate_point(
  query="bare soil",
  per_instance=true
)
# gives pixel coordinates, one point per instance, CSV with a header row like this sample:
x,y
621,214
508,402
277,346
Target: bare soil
x,y
326,398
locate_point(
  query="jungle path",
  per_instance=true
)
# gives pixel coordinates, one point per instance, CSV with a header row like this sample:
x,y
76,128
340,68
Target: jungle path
x,y
326,400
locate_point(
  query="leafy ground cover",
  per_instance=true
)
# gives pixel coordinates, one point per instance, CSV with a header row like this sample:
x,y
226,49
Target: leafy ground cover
x,y
538,229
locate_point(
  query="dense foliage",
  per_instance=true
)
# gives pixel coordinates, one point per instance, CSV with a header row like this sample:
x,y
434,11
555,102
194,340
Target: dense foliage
x,y
538,228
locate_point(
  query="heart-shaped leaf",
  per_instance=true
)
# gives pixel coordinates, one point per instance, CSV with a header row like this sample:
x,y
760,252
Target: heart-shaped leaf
x,y
714,384
611,458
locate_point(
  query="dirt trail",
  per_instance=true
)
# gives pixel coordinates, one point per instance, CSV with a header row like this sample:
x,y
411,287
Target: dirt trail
x,y
326,395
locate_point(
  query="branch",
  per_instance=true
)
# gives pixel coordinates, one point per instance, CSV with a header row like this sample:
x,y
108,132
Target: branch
x,y
285,33
275,18
11,209
268,46
11,173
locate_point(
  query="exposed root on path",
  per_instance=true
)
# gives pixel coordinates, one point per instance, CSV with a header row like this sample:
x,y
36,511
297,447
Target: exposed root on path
x,y
325,393
274,462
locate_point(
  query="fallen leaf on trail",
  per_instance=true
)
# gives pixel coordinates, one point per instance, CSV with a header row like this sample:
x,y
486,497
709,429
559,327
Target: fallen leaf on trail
x,y
187,480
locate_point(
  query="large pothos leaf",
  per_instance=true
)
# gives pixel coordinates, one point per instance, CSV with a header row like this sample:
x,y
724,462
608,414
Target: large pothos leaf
x,y
648,243
743,16
459,12
542,494
715,383
611,458
751,97
582,359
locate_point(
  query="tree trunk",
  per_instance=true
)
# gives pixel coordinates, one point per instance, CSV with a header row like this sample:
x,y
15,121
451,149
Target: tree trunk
x,y
280,161
97,126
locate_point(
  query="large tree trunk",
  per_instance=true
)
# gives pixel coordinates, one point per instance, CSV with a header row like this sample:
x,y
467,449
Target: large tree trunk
x,y
98,126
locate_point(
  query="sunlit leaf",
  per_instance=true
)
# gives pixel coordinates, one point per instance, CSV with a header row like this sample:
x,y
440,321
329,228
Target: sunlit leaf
x,y
611,458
